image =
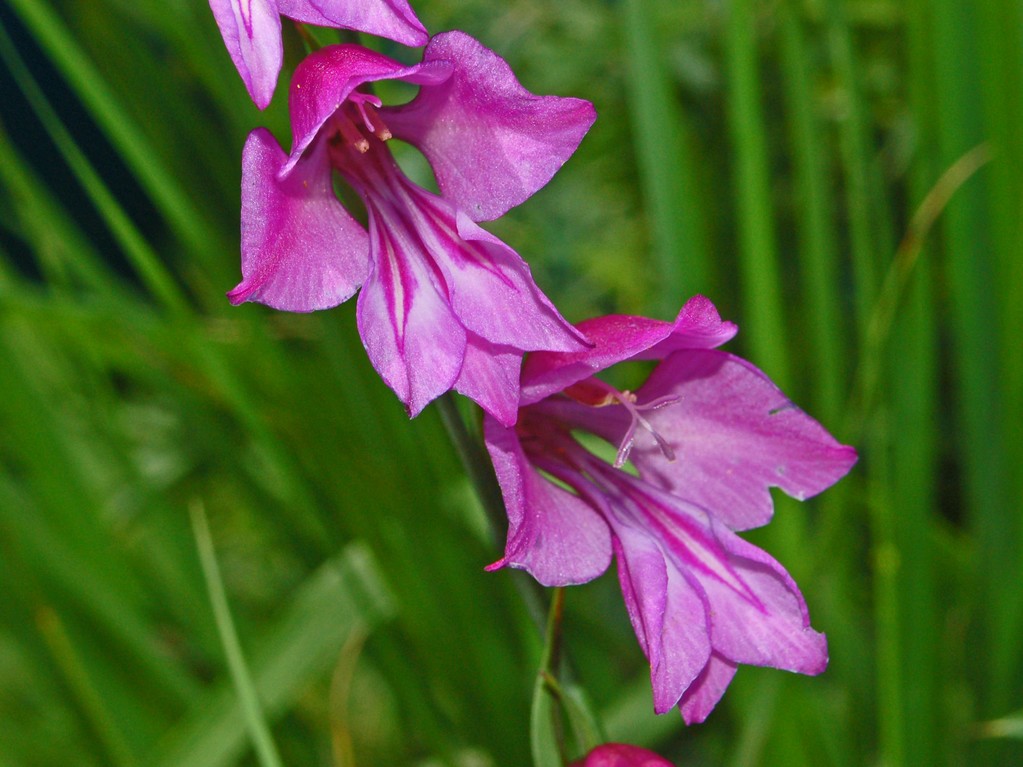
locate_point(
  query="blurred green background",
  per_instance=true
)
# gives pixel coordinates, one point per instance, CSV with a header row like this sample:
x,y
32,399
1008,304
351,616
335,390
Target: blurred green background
x,y
843,179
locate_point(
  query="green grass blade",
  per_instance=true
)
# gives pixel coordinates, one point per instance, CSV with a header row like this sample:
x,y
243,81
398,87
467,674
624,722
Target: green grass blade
x,y
762,287
90,86
345,595
666,163
145,260
248,700
819,251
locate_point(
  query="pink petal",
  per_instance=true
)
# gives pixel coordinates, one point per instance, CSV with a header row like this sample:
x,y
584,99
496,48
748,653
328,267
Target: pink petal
x,y
412,337
697,326
492,143
667,614
772,631
552,534
325,79
734,435
620,337
392,19
252,33
490,286
490,378
301,250
704,693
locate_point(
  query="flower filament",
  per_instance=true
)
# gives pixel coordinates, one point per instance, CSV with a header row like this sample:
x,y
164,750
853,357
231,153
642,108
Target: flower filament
x,y
597,393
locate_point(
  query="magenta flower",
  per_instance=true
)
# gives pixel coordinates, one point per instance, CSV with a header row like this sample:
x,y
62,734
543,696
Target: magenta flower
x,y
707,434
252,31
444,304
621,755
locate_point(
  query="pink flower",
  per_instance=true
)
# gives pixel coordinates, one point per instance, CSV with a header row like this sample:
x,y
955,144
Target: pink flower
x,y
444,304
621,755
252,31
707,434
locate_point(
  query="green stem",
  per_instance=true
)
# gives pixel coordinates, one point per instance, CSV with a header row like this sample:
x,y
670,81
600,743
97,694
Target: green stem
x,y
477,465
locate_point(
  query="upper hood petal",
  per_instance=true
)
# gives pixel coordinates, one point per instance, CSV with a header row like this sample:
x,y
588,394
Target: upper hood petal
x,y
619,337
492,143
325,79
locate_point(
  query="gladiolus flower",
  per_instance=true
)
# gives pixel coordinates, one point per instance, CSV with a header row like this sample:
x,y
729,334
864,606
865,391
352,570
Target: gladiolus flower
x,y
444,304
706,435
252,31
621,755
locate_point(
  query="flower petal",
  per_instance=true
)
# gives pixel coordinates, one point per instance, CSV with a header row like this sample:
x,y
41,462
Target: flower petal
x,y
412,337
490,286
668,615
252,33
620,337
492,143
774,630
301,250
326,78
393,19
490,378
554,535
703,694
734,435
754,611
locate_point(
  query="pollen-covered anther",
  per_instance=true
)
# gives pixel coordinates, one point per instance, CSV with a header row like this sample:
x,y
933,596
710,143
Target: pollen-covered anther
x,y
367,105
351,134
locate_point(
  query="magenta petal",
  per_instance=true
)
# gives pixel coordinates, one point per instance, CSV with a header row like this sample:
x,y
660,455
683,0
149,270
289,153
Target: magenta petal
x,y
667,614
413,339
252,33
490,378
491,288
301,250
698,326
492,143
734,434
615,338
771,629
392,19
704,693
552,534
620,337
326,78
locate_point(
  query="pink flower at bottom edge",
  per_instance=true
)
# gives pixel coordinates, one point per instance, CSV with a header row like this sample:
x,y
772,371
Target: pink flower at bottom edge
x,y
621,755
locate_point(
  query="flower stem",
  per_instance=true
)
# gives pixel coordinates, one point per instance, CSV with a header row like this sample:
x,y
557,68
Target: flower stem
x,y
477,465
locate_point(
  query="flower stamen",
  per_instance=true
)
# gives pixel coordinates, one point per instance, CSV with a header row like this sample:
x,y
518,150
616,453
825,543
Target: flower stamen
x,y
596,393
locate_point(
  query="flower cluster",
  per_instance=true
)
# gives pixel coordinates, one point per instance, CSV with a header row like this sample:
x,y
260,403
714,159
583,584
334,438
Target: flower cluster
x,y
443,304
